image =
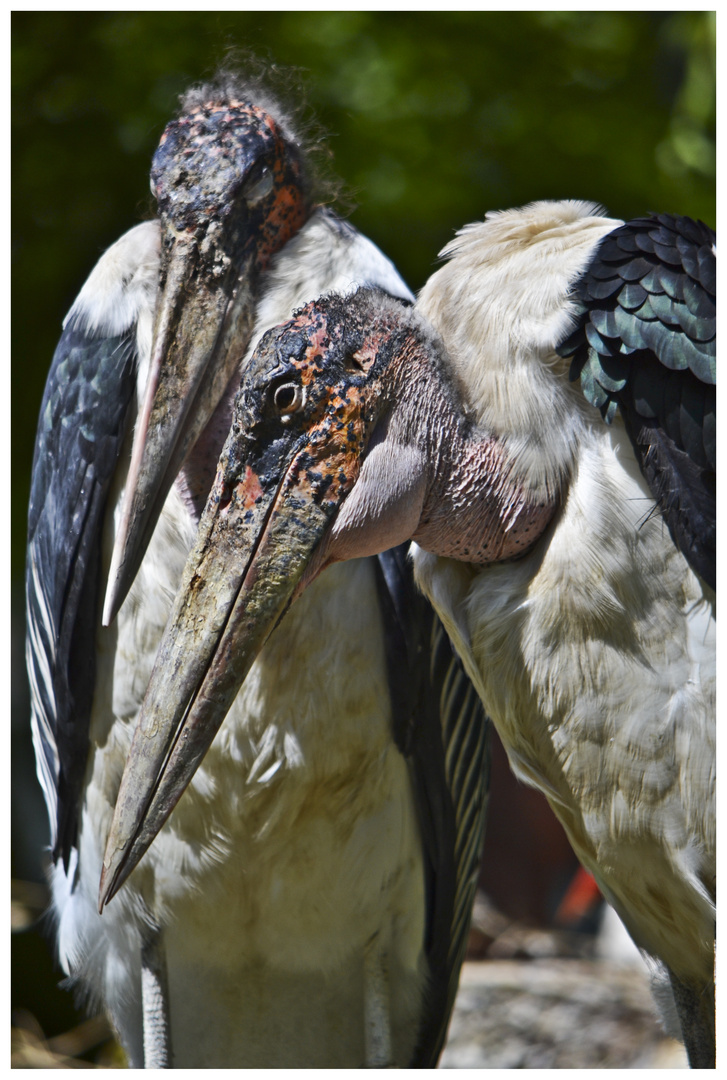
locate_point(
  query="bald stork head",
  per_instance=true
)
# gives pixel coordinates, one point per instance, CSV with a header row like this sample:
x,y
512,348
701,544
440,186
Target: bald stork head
x,y
347,439
230,186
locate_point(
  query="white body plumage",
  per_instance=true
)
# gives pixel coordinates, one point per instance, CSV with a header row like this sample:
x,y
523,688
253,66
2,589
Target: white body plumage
x,y
295,853
595,653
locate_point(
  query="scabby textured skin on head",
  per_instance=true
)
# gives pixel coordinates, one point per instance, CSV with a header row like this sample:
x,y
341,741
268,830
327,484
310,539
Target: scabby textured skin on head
x,y
322,360
203,165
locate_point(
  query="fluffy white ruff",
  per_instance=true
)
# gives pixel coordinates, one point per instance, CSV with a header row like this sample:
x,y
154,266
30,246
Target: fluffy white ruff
x,y
501,304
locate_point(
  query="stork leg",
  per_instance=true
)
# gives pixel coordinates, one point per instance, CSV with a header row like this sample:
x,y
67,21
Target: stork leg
x,y
696,1016
155,1003
377,1014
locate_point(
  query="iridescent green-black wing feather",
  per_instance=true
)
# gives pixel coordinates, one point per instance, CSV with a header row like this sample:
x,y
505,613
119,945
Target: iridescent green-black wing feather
x,y
645,346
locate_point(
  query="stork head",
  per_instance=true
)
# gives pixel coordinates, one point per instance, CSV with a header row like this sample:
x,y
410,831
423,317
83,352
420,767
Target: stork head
x,y
348,438
227,181
231,190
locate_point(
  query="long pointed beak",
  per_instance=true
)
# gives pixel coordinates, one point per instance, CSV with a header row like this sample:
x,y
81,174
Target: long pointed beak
x,y
200,335
259,543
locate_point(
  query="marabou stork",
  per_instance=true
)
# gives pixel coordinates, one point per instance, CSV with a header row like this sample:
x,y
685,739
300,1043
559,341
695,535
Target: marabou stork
x,y
308,902
564,533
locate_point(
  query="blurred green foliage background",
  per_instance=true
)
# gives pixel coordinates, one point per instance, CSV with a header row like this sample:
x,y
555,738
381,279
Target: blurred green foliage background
x,y
433,119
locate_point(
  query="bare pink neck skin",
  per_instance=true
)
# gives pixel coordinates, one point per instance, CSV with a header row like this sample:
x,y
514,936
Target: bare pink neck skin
x,y
475,509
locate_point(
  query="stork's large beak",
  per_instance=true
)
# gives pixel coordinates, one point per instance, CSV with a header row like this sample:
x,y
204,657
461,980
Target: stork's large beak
x,y
259,542
310,401
200,335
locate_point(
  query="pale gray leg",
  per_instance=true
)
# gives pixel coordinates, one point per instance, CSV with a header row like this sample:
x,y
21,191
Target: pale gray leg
x,y
155,1003
377,1015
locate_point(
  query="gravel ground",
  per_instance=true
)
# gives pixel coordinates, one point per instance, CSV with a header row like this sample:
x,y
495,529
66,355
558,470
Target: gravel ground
x,y
528,999
556,1014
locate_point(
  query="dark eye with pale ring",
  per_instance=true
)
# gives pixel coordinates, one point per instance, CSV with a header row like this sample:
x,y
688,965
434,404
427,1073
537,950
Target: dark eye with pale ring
x,y
288,398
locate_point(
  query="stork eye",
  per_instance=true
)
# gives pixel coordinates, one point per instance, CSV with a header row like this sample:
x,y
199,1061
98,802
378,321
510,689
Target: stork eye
x,y
288,399
258,188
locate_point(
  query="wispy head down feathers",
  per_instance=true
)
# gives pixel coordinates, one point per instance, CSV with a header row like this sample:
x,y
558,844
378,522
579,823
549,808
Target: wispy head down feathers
x,y
280,92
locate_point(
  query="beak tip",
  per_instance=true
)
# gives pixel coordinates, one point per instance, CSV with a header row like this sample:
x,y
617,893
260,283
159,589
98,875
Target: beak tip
x,y
117,864
109,608
113,875
115,586
104,889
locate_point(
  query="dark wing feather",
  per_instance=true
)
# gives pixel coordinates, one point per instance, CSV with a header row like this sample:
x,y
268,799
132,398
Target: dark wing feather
x,y
645,346
80,430
441,728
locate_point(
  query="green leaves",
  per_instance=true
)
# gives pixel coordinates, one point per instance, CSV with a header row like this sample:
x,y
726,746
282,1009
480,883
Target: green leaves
x,y
434,118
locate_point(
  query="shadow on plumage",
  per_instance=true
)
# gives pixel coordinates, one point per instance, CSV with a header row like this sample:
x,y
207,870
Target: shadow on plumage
x,y
307,903
550,449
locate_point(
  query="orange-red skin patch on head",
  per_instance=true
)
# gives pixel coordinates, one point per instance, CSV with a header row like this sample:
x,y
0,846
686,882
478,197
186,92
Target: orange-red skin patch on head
x,y
287,215
330,464
245,494
288,211
249,490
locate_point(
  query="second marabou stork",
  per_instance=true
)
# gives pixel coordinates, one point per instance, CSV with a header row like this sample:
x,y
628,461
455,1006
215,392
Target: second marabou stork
x,y
551,452
307,903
